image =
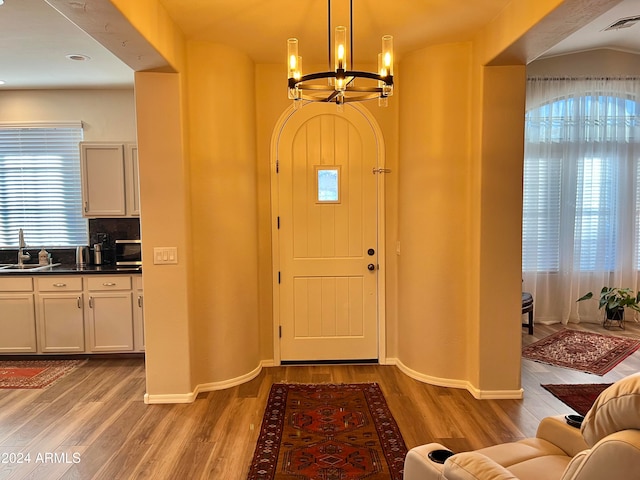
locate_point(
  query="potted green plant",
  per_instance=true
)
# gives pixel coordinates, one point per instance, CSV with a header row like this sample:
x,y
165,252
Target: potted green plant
x,y
614,300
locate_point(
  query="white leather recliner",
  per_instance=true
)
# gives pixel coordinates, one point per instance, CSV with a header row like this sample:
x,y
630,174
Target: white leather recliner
x,y
605,447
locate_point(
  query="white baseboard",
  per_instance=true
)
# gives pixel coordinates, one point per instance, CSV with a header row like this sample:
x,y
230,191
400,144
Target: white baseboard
x,y
453,383
232,382
206,387
496,394
421,377
169,398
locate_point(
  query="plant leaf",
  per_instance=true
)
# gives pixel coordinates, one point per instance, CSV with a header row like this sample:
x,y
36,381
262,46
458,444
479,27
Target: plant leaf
x,y
589,295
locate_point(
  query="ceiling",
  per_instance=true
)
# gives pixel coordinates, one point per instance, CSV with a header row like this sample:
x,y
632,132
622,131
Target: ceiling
x,y
35,39
34,42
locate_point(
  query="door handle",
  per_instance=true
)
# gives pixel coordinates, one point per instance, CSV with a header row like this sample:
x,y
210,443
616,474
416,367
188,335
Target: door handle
x,y
371,267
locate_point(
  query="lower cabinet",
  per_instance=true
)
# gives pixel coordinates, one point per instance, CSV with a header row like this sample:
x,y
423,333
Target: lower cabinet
x,y
71,314
18,320
60,314
138,317
110,314
61,323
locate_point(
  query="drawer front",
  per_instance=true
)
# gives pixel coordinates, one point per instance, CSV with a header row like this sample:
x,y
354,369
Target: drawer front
x,y
137,281
102,282
59,284
16,283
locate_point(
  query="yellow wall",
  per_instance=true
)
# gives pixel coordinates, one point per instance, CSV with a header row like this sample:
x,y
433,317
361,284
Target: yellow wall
x,y
224,221
453,137
496,261
271,101
151,19
164,186
433,211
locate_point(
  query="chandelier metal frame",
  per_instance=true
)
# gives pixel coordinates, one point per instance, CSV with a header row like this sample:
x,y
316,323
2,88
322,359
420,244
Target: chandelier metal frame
x,y
340,87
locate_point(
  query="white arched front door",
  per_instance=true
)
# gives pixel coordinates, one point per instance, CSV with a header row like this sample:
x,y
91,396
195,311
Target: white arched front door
x,y
326,235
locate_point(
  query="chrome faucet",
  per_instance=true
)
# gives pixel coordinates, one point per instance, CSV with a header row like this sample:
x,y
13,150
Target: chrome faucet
x,y
22,255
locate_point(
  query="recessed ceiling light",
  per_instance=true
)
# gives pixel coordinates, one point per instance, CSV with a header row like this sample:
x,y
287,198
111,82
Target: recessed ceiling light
x,y
2,82
78,57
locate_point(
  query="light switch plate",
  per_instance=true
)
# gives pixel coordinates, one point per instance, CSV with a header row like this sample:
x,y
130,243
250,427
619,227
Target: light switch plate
x,y
165,255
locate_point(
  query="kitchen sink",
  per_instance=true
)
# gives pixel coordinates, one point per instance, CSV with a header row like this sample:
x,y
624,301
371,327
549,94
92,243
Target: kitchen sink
x,y
27,267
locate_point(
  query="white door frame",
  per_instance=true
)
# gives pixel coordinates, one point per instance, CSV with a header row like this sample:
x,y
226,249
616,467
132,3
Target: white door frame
x,y
275,239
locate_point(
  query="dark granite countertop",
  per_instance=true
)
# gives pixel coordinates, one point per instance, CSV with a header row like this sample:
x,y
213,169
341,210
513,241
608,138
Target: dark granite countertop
x,y
72,269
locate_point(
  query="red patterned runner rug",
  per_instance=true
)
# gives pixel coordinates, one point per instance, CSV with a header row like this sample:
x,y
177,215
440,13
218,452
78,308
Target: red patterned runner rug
x,y
579,396
25,374
328,432
584,351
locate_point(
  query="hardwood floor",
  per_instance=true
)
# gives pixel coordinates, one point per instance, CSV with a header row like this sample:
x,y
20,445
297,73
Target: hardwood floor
x,y
96,423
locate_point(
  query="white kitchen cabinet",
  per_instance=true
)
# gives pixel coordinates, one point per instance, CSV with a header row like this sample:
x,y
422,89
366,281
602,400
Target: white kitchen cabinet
x,y
71,314
110,313
109,179
60,314
103,179
132,180
138,317
18,321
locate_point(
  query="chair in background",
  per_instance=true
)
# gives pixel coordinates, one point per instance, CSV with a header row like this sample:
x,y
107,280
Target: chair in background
x,y
527,307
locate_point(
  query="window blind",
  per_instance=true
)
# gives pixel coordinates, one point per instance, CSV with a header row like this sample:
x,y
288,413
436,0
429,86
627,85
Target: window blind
x,y
541,214
40,185
577,169
596,222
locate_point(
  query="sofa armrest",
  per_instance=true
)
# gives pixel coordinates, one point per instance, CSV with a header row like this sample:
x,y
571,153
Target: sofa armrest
x,y
567,438
418,466
474,466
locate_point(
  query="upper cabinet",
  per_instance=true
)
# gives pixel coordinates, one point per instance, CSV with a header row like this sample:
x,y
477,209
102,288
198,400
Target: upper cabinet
x,y
110,179
131,178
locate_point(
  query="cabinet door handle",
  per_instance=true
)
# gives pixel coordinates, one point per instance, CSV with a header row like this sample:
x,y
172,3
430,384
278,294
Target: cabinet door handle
x,y
79,302
108,284
90,302
140,301
59,284
86,206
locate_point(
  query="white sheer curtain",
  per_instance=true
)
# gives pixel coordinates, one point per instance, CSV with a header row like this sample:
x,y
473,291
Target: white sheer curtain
x,y
581,193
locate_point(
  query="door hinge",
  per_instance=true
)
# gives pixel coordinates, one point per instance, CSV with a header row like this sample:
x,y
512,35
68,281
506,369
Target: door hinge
x,y
279,331
278,222
277,166
278,277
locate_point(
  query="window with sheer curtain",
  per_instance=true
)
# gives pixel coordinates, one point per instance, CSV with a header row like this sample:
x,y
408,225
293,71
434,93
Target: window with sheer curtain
x,y
581,204
40,186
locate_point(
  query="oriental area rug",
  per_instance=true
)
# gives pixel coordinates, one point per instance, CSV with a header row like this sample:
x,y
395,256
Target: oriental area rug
x,y
584,351
26,374
328,432
578,396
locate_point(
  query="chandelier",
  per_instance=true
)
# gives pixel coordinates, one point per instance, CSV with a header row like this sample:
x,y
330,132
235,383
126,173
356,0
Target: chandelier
x,y
339,85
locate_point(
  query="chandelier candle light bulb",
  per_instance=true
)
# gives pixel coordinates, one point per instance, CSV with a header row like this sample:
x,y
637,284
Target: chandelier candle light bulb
x,y
340,50
292,51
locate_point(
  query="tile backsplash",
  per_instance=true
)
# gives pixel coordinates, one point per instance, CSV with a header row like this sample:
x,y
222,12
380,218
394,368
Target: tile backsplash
x,y
108,230
101,230
114,228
